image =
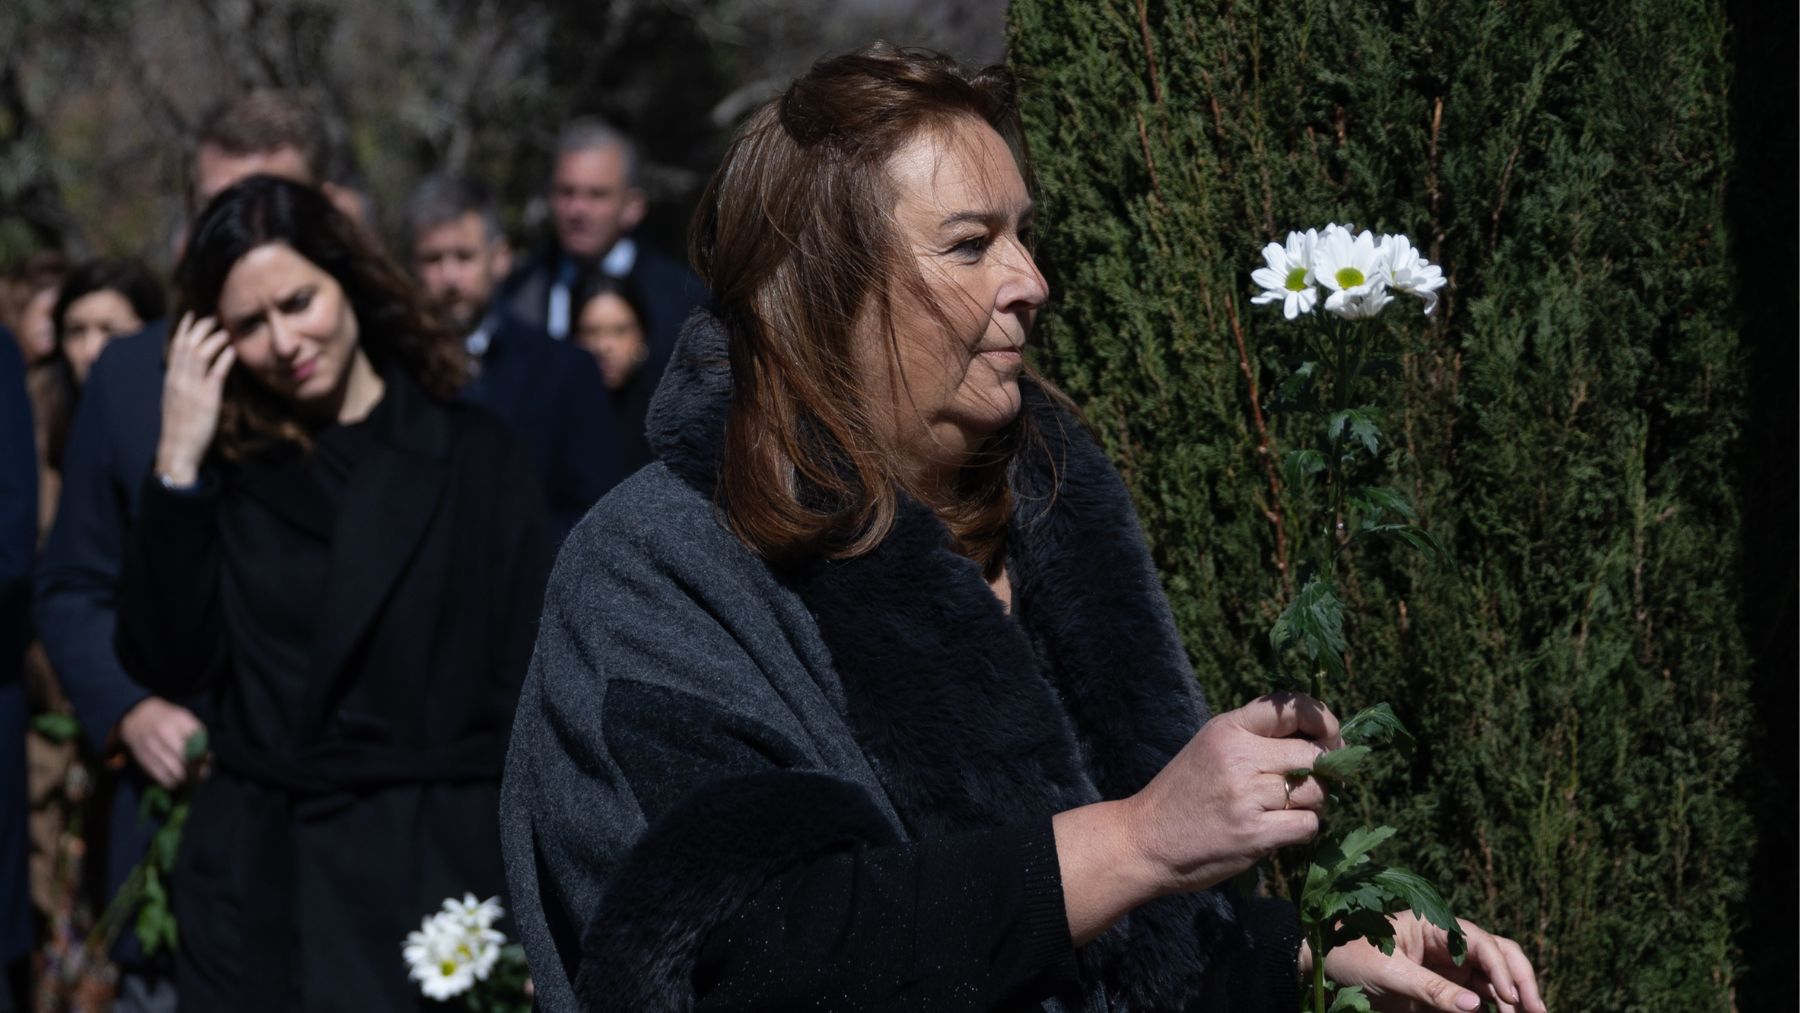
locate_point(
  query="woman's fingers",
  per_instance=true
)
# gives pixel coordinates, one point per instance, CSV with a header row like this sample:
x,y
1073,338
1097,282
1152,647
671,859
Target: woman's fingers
x,y
1281,715
1426,987
1530,999
161,767
1305,794
221,358
1284,828
1487,958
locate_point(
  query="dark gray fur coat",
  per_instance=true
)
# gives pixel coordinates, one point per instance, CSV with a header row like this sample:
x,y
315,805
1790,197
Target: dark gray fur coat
x,y
694,723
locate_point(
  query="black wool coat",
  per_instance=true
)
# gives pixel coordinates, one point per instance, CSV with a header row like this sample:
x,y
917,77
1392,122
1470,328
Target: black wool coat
x,y
309,854
695,723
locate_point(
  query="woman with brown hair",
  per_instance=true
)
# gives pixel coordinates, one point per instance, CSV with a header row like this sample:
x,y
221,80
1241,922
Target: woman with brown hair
x,y
865,696
348,564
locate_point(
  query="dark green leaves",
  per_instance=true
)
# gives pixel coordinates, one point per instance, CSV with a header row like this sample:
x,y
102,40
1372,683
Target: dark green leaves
x,y
1313,621
1340,856
1297,466
194,749
1335,767
1355,425
1373,502
155,924
1373,726
1347,890
1416,892
1350,999
56,726
1297,392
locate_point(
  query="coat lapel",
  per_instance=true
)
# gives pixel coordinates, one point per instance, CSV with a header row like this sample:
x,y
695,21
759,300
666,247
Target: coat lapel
x,y
387,508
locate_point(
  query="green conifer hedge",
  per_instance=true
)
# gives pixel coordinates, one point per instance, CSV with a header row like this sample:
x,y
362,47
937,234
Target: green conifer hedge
x,y
1567,421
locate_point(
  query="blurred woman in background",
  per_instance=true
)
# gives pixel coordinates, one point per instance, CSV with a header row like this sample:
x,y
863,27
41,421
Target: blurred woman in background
x,y
99,300
349,563
609,325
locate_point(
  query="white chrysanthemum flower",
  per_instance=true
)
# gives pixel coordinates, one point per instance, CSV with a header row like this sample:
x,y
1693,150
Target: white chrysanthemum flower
x,y
439,957
1410,273
469,911
1351,266
1288,279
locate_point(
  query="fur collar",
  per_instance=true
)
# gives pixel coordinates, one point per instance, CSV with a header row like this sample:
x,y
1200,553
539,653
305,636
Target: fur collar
x,y
969,716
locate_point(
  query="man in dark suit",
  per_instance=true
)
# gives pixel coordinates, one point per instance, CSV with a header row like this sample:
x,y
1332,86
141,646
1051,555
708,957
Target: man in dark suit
x,y
548,391
595,203
110,451
18,542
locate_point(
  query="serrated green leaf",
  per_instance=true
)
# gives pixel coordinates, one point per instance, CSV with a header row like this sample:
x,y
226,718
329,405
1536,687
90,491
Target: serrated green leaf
x,y
1295,392
1314,620
194,749
1336,766
1373,725
1338,856
1368,923
1375,502
1349,999
1356,424
1412,535
1299,465
1421,895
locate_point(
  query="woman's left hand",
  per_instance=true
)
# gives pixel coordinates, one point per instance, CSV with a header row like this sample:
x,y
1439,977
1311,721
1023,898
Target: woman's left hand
x,y
1421,976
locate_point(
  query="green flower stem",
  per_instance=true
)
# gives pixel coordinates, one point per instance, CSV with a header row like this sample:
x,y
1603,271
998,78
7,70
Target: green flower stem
x,y
1318,969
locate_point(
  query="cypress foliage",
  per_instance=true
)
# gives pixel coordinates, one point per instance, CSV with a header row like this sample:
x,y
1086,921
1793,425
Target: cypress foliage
x,y
1567,421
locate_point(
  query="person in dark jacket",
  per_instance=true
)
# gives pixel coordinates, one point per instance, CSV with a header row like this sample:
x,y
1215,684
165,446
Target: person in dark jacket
x,y
18,545
596,201
348,563
537,385
886,710
609,327
111,445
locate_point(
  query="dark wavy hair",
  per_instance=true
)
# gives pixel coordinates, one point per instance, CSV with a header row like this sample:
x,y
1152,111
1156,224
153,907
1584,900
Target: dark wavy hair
x,y
139,287
129,278
796,240
396,328
595,283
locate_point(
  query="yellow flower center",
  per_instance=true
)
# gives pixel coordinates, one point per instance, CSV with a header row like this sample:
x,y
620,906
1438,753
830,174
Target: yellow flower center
x,y
1349,277
447,968
1296,280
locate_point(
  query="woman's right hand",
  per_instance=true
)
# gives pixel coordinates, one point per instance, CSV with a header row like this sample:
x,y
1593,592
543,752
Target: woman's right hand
x,y
1223,803
200,356
156,733
1226,801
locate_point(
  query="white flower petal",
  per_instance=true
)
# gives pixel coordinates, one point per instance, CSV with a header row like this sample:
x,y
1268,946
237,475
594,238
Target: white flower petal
x,y
1269,277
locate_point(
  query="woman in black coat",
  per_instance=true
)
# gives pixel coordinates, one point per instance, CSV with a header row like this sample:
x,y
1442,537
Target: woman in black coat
x,y
885,710
351,564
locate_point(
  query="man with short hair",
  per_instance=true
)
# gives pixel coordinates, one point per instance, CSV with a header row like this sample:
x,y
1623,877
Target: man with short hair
x,y
596,200
549,391
111,448
266,132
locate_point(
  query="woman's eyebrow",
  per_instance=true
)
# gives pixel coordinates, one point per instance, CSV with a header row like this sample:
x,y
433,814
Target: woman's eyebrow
x,y
988,218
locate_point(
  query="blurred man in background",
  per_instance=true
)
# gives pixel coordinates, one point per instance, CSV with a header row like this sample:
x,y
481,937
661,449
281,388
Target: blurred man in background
x,y
596,200
548,391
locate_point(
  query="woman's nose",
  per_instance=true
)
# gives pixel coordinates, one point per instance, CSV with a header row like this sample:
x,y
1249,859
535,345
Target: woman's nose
x,y
282,339
1025,286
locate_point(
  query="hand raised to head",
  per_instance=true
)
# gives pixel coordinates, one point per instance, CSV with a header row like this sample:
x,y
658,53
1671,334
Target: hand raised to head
x,y
200,357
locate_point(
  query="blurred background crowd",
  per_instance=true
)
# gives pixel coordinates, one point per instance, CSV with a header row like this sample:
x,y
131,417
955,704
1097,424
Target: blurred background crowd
x,y
531,166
